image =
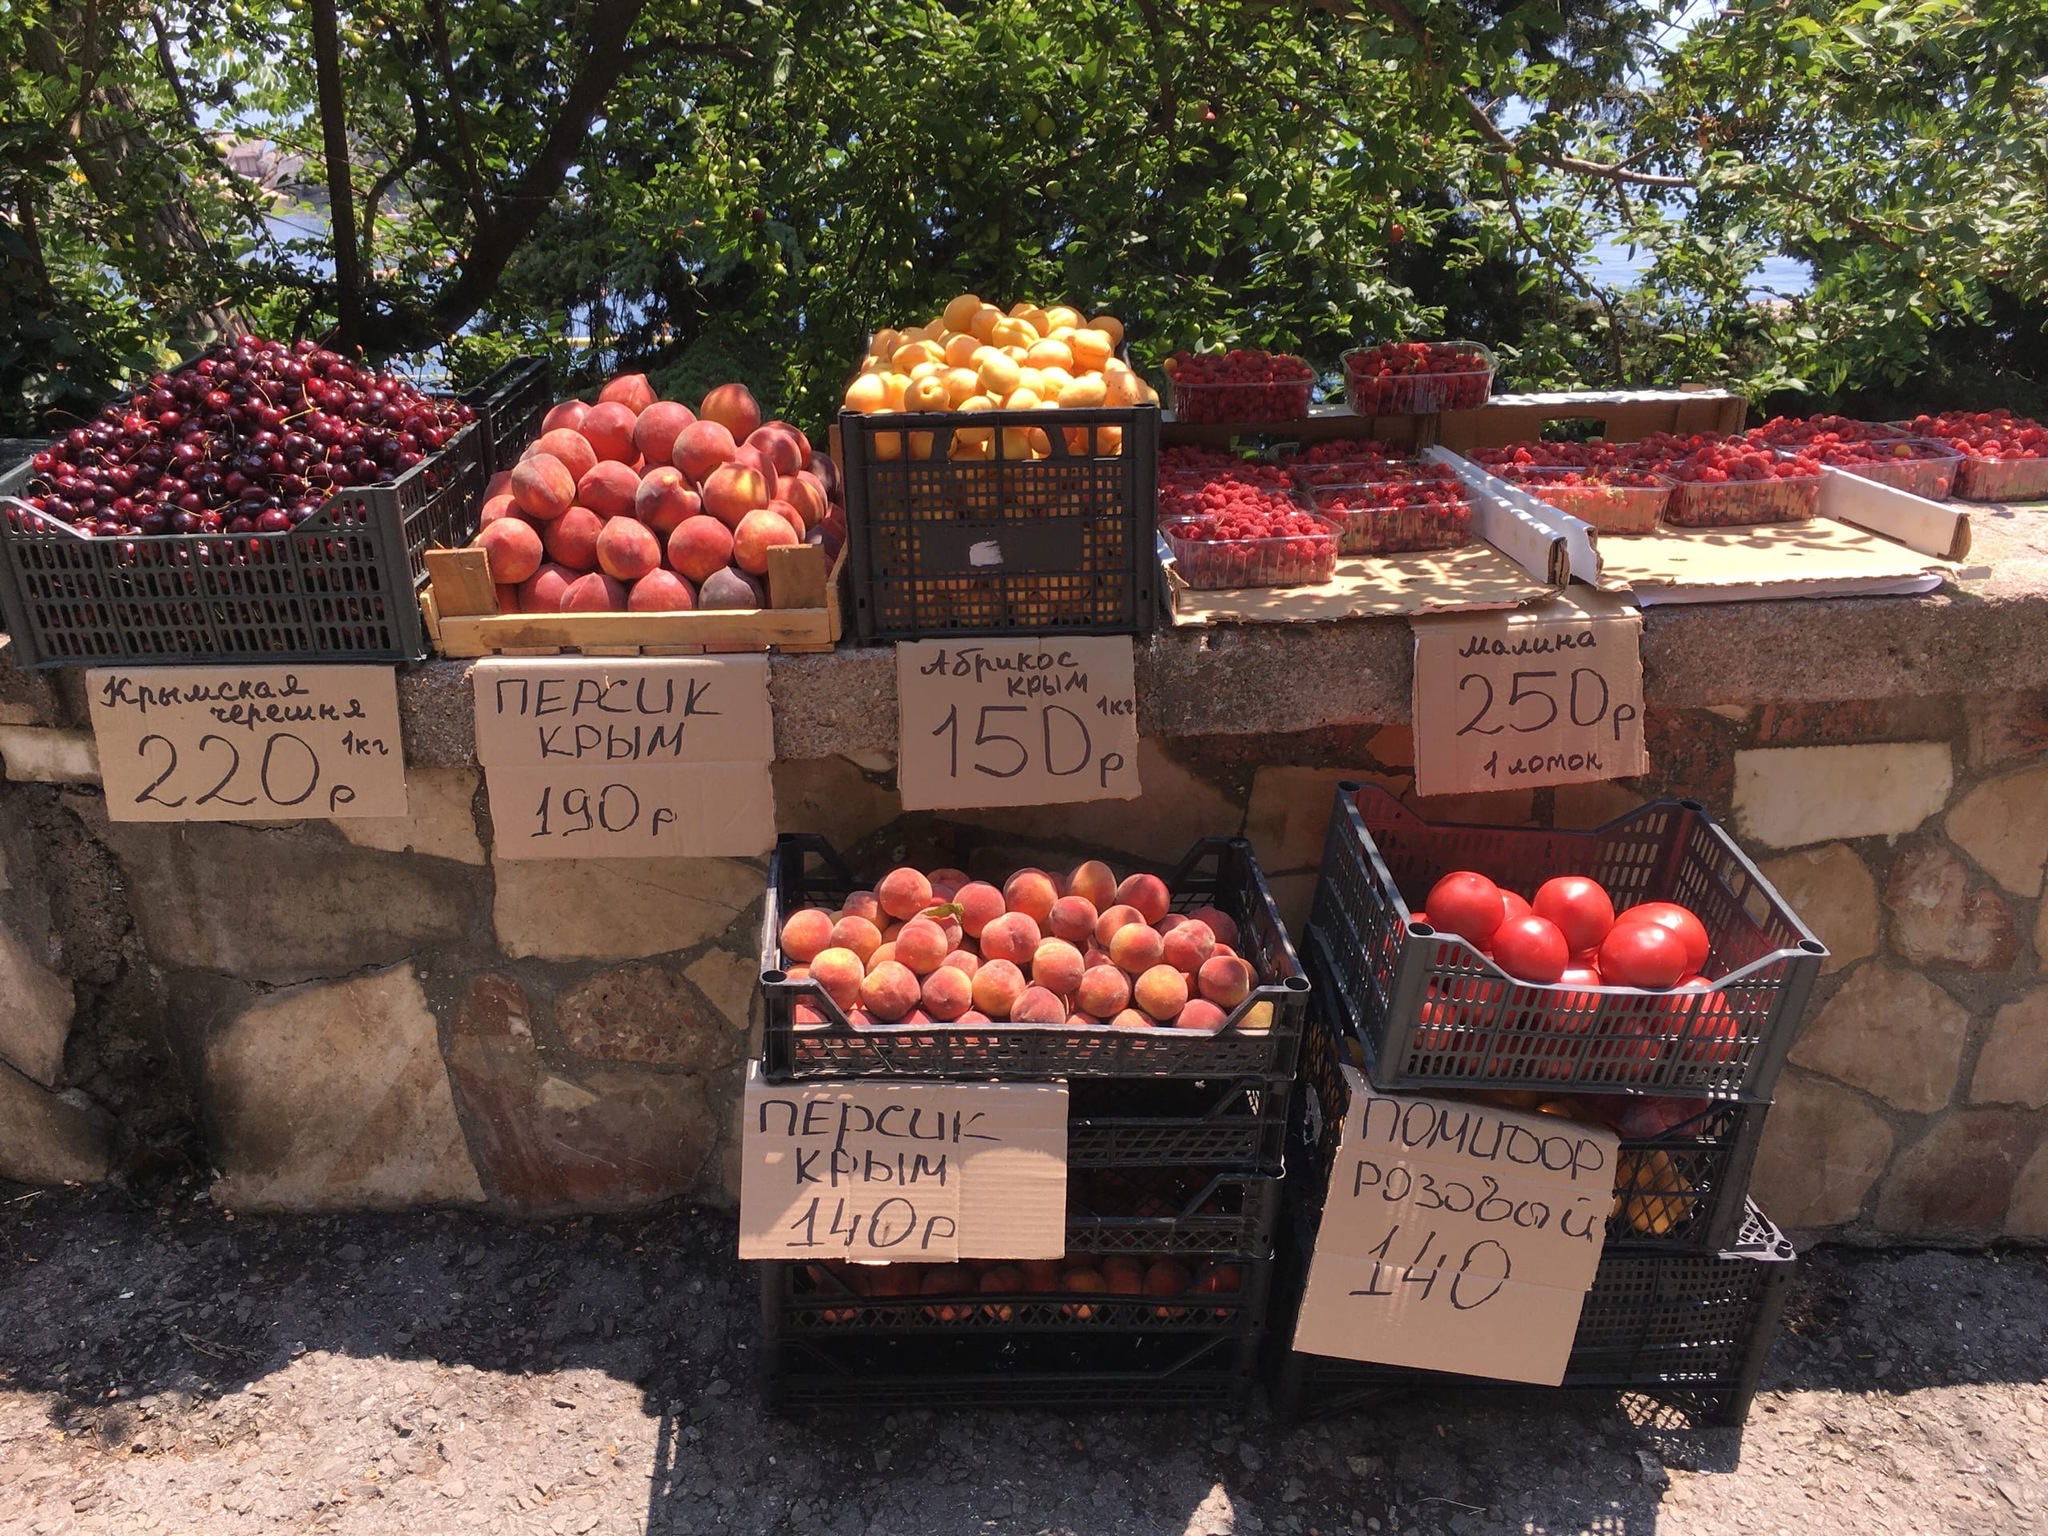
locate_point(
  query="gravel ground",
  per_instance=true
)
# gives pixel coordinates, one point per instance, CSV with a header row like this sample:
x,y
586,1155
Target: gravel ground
x,y
167,1368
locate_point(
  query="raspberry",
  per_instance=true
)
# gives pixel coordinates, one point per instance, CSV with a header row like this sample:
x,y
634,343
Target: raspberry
x,y
1243,384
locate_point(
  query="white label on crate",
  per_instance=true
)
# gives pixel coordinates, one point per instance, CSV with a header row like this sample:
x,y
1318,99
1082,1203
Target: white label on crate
x,y
601,757
1457,1237
991,722
248,743
984,552
1551,693
912,1172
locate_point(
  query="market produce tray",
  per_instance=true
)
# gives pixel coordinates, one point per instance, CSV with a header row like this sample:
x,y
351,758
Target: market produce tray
x,y
1684,1187
342,586
1486,1029
1182,1211
826,1347
1258,1040
1237,1123
1002,546
1689,1331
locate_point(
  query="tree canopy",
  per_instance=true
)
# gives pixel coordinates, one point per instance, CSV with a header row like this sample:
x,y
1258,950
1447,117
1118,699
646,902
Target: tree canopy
x,y
716,187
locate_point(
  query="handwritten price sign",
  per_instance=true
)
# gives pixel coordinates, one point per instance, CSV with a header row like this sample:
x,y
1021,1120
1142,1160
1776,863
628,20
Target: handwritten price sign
x,y
1547,694
1457,1237
1016,722
248,743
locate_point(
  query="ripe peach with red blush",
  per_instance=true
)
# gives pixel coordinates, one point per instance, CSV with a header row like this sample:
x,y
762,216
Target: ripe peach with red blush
x,y
1148,894
543,591
864,904
543,487
512,550
840,973
1221,923
1187,945
1130,1018
1056,966
1013,937
1200,1013
1136,948
1225,980
1114,919
609,431
664,501
921,945
1094,882
884,953
964,961
572,448
571,539
699,547
998,984
627,549
630,390
1039,1005
595,592
781,446
700,448
890,990
757,533
948,993
1162,992
733,407
1103,991
657,427
495,507
608,488
858,935
1072,918
946,882
806,935
980,904
661,592
569,414
732,491
1031,892
904,892
807,494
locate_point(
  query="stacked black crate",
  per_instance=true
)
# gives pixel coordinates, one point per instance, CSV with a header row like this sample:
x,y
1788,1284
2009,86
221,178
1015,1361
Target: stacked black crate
x,y
1693,1276
1174,1154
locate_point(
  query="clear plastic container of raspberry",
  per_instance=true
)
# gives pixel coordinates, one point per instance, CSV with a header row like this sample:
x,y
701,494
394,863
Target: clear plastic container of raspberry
x,y
1395,517
1986,479
1616,500
2005,457
1242,385
1742,503
1923,465
1417,378
1211,563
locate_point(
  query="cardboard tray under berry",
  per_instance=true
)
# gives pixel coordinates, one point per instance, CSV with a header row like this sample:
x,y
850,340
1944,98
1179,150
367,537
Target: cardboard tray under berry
x,y
1258,1040
1434,1012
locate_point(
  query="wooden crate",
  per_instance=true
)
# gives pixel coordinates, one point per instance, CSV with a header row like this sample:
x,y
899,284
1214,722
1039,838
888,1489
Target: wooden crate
x,y
804,615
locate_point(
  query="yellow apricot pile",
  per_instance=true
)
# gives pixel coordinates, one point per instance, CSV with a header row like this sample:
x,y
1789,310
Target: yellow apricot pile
x,y
973,357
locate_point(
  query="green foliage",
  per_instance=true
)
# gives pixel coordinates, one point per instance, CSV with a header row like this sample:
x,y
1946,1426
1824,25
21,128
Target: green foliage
x,y
704,188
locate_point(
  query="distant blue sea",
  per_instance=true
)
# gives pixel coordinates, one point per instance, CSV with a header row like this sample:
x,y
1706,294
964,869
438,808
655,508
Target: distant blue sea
x,y
1615,266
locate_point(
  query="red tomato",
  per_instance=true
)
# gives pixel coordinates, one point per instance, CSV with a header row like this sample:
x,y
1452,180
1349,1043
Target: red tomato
x,y
1516,906
1580,908
1643,955
1466,904
1680,921
1531,949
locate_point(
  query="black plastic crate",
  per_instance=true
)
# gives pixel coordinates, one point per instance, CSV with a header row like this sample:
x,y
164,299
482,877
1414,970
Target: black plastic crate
x,y
1259,1040
509,405
1688,1330
1002,546
1238,1123
1435,1013
827,1347
1172,1211
342,586
1683,1188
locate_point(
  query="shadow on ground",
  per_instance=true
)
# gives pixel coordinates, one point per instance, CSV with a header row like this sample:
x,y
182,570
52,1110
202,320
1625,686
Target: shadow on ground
x,y
131,1320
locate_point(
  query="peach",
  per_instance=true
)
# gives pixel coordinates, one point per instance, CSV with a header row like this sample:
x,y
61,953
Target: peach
x,y
1148,894
997,987
974,1016
1104,991
806,492
961,960
657,428
904,892
627,548
840,972
506,597
1072,918
1136,948
1187,946
1168,923
664,501
1200,1013
884,953
948,993
1013,937
733,407
594,592
609,431
780,442
947,882
922,945
572,448
569,413
1056,966
806,935
571,539
827,471
700,448
757,533
753,458
630,390
732,491
543,487
791,516
863,904
699,546
1221,923
980,904
1095,882
1224,980
1031,892
543,591
1162,992
1094,955
497,483
890,990
608,488
661,592
1113,920
729,588
858,935
1123,1275
1130,1018
1039,1005
496,507
511,550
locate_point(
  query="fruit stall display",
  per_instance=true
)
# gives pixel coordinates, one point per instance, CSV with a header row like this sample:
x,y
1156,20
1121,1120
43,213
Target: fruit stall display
x,y
638,505
264,503
1412,378
1614,498
1243,384
999,477
1383,506
2005,457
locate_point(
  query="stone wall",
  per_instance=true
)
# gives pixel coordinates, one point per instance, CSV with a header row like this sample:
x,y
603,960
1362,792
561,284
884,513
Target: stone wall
x,y
376,1013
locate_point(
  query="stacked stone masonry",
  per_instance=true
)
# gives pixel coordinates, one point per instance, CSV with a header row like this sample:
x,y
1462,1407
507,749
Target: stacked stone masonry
x,y
372,1013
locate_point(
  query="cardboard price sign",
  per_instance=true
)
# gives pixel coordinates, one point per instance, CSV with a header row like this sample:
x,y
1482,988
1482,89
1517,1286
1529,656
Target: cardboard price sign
x,y
597,757
903,1171
248,743
1016,722
1457,1237
1547,694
